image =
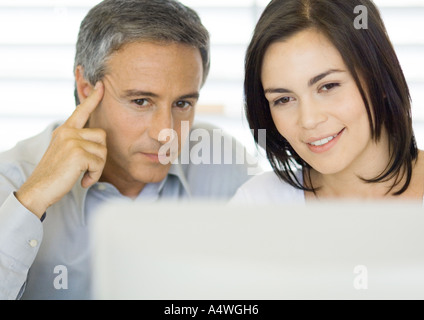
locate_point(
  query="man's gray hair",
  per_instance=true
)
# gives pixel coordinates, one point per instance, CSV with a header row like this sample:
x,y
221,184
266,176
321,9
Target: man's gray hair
x,y
113,23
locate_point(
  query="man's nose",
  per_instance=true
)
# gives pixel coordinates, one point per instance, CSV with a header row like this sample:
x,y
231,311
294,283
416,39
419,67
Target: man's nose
x,y
161,123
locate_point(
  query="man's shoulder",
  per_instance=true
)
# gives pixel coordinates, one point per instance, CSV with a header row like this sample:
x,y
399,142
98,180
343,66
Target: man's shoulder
x,y
31,147
17,163
29,150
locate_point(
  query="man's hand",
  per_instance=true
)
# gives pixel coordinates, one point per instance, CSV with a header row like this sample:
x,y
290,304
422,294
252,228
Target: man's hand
x,y
73,150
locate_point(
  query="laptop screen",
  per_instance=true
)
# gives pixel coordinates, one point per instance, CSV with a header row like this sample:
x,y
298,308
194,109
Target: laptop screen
x,y
215,251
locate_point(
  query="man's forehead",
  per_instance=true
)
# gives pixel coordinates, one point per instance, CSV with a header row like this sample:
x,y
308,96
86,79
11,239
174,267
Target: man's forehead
x,y
152,69
152,54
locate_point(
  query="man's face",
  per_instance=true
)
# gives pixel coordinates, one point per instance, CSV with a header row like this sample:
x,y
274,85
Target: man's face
x,y
149,87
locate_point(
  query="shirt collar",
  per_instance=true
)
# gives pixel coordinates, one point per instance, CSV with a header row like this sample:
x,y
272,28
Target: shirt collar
x,y
80,194
176,169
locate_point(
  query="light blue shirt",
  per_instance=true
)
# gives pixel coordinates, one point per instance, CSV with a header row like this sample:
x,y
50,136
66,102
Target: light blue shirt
x,y
50,259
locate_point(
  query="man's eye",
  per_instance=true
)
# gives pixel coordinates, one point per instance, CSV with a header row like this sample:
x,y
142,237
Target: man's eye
x,y
141,102
183,104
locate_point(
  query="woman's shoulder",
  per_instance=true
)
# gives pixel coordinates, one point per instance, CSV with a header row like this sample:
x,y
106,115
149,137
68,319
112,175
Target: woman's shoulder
x,y
267,187
264,178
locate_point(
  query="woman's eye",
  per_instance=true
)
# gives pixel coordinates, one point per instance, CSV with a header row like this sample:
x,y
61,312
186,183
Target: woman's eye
x,y
329,86
283,100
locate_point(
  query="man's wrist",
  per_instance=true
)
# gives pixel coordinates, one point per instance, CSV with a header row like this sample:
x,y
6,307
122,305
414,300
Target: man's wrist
x,y
31,202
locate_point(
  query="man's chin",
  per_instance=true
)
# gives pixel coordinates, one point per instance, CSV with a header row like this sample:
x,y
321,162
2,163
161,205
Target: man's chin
x,y
152,174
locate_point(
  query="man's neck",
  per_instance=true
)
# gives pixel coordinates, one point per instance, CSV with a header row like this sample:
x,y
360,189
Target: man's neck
x,y
130,189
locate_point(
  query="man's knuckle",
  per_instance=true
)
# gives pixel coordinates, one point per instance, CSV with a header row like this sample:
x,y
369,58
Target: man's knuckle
x,y
75,150
104,152
102,133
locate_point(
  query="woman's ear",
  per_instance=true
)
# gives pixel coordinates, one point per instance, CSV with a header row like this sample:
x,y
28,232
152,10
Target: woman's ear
x,y
83,86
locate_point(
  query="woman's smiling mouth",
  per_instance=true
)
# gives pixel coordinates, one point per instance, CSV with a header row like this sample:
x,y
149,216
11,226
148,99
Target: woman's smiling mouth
x,y
322,145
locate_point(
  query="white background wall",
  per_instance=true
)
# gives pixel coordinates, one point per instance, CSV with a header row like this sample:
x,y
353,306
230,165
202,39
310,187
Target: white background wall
x,y
37,45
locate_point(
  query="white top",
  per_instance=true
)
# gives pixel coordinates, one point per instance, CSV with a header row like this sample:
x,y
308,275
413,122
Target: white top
x,y
268,188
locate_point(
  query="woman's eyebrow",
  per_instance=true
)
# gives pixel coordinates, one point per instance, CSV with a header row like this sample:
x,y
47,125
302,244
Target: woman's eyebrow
x,y
310,82
322,76
277,90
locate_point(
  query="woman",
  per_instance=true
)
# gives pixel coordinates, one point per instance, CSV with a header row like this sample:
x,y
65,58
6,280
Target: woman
x,y
335,105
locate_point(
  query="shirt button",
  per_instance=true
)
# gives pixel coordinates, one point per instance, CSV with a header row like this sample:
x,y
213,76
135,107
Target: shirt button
x,y
101,187
33,243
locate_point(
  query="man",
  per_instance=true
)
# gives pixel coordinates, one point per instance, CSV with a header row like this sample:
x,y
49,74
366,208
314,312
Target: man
x,y
139,68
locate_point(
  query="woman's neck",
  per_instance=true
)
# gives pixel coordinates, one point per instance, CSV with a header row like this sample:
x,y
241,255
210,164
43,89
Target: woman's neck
x,y
347,185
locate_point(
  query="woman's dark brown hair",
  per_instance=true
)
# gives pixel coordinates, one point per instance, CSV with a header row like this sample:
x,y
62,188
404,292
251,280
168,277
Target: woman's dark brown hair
x,y
372,62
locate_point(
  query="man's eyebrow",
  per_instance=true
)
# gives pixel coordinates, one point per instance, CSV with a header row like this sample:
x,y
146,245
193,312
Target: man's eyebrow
x,y
138,93
310,82
194,95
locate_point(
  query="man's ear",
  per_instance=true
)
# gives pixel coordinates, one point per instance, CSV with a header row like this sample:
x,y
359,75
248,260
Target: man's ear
x,y
83,86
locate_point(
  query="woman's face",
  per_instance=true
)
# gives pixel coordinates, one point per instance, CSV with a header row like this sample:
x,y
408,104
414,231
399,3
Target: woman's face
x,y
316,105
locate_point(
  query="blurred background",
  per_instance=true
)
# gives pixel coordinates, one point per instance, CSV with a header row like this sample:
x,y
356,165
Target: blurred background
x,y
37,46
